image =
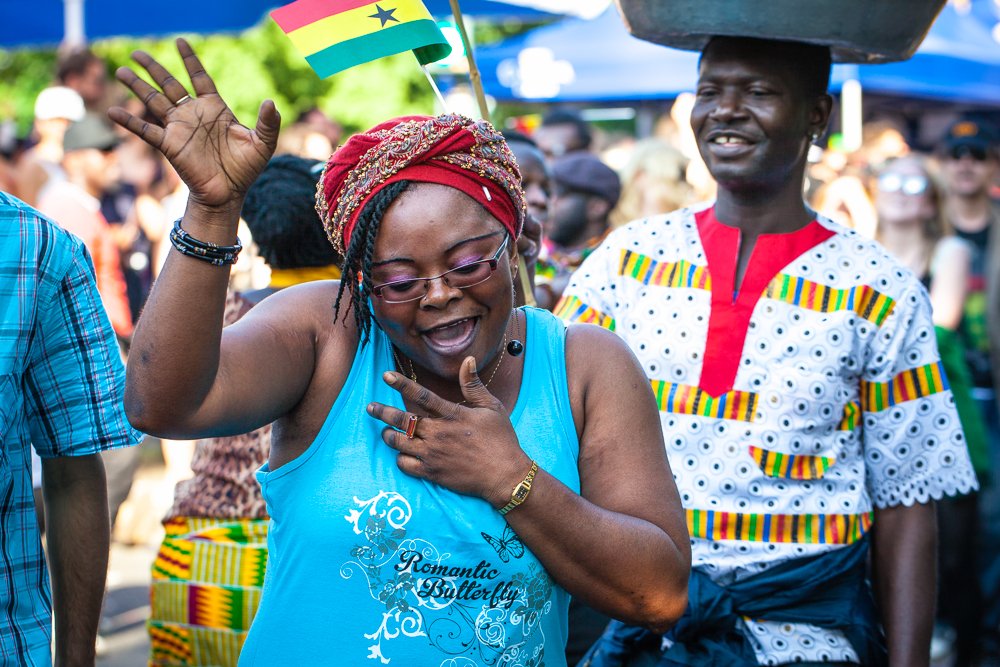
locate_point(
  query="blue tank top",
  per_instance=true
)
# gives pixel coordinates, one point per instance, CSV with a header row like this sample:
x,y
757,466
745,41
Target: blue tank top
x,y
369,566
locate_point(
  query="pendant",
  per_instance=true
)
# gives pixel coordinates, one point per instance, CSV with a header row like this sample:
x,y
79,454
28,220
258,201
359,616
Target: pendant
x,y
515,348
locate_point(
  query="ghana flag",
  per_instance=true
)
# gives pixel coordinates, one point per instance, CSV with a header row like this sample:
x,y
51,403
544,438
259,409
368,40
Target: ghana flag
x,y
335,35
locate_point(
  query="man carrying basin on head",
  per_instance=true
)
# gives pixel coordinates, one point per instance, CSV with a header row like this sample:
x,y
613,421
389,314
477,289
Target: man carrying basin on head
x,y
800,391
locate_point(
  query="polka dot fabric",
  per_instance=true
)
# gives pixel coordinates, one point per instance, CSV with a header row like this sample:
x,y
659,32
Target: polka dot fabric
x,y
838,406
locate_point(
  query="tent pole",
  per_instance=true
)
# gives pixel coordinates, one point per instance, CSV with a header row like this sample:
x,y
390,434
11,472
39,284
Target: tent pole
x,y
474,77
851,117
74,34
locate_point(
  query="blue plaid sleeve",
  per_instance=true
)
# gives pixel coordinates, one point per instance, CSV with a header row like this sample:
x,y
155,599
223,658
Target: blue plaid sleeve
x,y
75,379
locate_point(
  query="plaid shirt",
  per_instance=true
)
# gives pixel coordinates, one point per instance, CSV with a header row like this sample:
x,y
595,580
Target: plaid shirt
x,y
61,386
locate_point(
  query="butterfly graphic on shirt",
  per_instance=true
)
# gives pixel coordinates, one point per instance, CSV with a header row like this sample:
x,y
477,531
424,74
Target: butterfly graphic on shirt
x,y
506,545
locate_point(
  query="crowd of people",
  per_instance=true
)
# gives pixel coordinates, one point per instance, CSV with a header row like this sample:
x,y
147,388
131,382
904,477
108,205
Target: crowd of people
x,y
800,396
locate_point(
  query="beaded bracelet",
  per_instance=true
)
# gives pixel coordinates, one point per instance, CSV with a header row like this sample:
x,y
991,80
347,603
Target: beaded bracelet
x,y
209,252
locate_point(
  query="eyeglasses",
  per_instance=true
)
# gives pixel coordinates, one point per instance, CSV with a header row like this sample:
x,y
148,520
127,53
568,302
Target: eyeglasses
x,y
911,185
462,277
977,153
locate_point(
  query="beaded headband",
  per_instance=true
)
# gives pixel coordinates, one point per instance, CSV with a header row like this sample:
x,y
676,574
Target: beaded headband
x,y
481,157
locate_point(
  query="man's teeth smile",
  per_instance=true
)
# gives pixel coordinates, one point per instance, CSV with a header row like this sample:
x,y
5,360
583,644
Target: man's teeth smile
x,y
726,139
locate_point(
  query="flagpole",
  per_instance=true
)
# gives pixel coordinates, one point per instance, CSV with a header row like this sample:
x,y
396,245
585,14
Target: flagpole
x,y
437,91
474,77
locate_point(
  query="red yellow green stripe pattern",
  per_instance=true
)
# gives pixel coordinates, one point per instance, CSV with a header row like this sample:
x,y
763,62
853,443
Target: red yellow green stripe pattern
x,y
865,301
781,528
850,420
207,584
790,466
334,35
907,386
664,274
572,309
688,400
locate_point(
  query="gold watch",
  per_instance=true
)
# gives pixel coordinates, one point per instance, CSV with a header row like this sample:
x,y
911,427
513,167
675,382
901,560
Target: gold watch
x,y
520,491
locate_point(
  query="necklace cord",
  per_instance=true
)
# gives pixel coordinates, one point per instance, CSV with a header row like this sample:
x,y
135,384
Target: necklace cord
x,y
503,346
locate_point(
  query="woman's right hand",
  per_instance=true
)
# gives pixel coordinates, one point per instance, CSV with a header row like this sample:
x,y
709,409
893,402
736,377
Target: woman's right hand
x,y
216,156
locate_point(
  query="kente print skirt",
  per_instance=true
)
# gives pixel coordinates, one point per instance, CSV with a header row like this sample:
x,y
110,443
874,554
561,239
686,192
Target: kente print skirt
x,y
207,581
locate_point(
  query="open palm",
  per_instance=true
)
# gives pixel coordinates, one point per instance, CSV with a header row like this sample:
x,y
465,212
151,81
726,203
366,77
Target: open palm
x,y
216,156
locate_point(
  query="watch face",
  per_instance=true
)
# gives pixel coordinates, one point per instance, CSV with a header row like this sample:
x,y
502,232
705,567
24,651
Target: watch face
x,y
521,493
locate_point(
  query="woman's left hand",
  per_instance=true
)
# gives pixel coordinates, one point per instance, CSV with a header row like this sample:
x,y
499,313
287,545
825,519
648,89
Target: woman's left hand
x,y
471,450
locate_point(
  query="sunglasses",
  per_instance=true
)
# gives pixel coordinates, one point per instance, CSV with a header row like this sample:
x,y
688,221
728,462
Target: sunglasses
x,y
977,153
467,275
910,185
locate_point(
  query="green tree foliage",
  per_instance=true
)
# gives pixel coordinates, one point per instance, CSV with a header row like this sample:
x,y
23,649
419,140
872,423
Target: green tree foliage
x,y
261,63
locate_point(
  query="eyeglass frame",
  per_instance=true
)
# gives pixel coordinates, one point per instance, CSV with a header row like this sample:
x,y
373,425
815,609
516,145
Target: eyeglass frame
x,y
493,263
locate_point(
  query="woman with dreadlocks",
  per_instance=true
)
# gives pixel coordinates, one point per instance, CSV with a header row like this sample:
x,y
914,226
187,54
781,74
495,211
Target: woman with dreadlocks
x,y
417,511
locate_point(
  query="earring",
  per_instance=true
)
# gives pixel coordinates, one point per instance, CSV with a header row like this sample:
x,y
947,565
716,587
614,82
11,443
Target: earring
x,y
514,347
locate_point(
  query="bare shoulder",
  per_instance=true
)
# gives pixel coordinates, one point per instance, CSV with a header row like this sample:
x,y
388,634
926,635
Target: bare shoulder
x,y
590,348
603,376
306,310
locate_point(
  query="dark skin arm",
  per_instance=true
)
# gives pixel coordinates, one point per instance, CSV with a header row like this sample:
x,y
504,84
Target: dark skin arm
x,y
79,536
904,563
622,544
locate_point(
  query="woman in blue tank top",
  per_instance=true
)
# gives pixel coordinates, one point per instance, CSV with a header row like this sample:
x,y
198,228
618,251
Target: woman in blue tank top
x,y
421,515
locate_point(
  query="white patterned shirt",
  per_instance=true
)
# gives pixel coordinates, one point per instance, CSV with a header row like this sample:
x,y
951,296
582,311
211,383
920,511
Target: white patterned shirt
x,y
790,410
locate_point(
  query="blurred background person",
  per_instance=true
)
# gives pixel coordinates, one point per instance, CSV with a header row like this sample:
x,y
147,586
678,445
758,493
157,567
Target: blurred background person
x,y
969,164
221,507
911,225
652,183
131,205
586,191
536,182
40,167
85,72
314,136
563,132
319,122
75,205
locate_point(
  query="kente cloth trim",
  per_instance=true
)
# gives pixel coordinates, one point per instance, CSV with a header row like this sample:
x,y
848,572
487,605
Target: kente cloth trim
x,y
207,583
571,308
729,318
865,301
689,400
790,466
852,411
281,278
664,274
780,528
907,386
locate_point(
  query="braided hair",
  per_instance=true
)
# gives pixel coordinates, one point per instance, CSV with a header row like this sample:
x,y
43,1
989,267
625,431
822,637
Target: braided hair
x,y
358,258
279,211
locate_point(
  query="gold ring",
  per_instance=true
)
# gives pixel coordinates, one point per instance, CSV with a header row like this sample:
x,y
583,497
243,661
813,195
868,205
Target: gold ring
x,y
412,426
182,100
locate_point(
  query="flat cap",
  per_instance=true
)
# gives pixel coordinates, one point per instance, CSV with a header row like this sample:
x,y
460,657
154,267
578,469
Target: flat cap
x,y
585,172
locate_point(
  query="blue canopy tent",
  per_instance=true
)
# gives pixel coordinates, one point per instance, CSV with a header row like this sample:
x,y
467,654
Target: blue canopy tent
x,y
599,61
31,22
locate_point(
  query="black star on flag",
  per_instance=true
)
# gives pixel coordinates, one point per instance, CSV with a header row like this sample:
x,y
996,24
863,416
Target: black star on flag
x,y
384,15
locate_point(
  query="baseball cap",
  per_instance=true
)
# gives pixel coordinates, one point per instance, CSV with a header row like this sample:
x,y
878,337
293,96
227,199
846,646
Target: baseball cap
x,y
585,172
91,132
59,102
970,134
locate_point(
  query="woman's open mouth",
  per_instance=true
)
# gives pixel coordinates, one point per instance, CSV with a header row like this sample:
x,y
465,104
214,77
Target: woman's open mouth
x,y
453,338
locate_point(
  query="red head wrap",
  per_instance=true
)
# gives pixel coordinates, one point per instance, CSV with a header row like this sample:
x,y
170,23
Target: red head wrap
x,y
453,150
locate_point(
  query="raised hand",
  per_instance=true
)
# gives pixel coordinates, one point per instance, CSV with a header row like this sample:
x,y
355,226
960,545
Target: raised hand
x,y
215,156
471,450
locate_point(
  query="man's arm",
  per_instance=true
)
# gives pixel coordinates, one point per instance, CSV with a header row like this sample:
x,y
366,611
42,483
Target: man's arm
x,y
904,563
79,536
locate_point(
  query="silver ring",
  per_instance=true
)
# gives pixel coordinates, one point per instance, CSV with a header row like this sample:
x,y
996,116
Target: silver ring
x,y
182,100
